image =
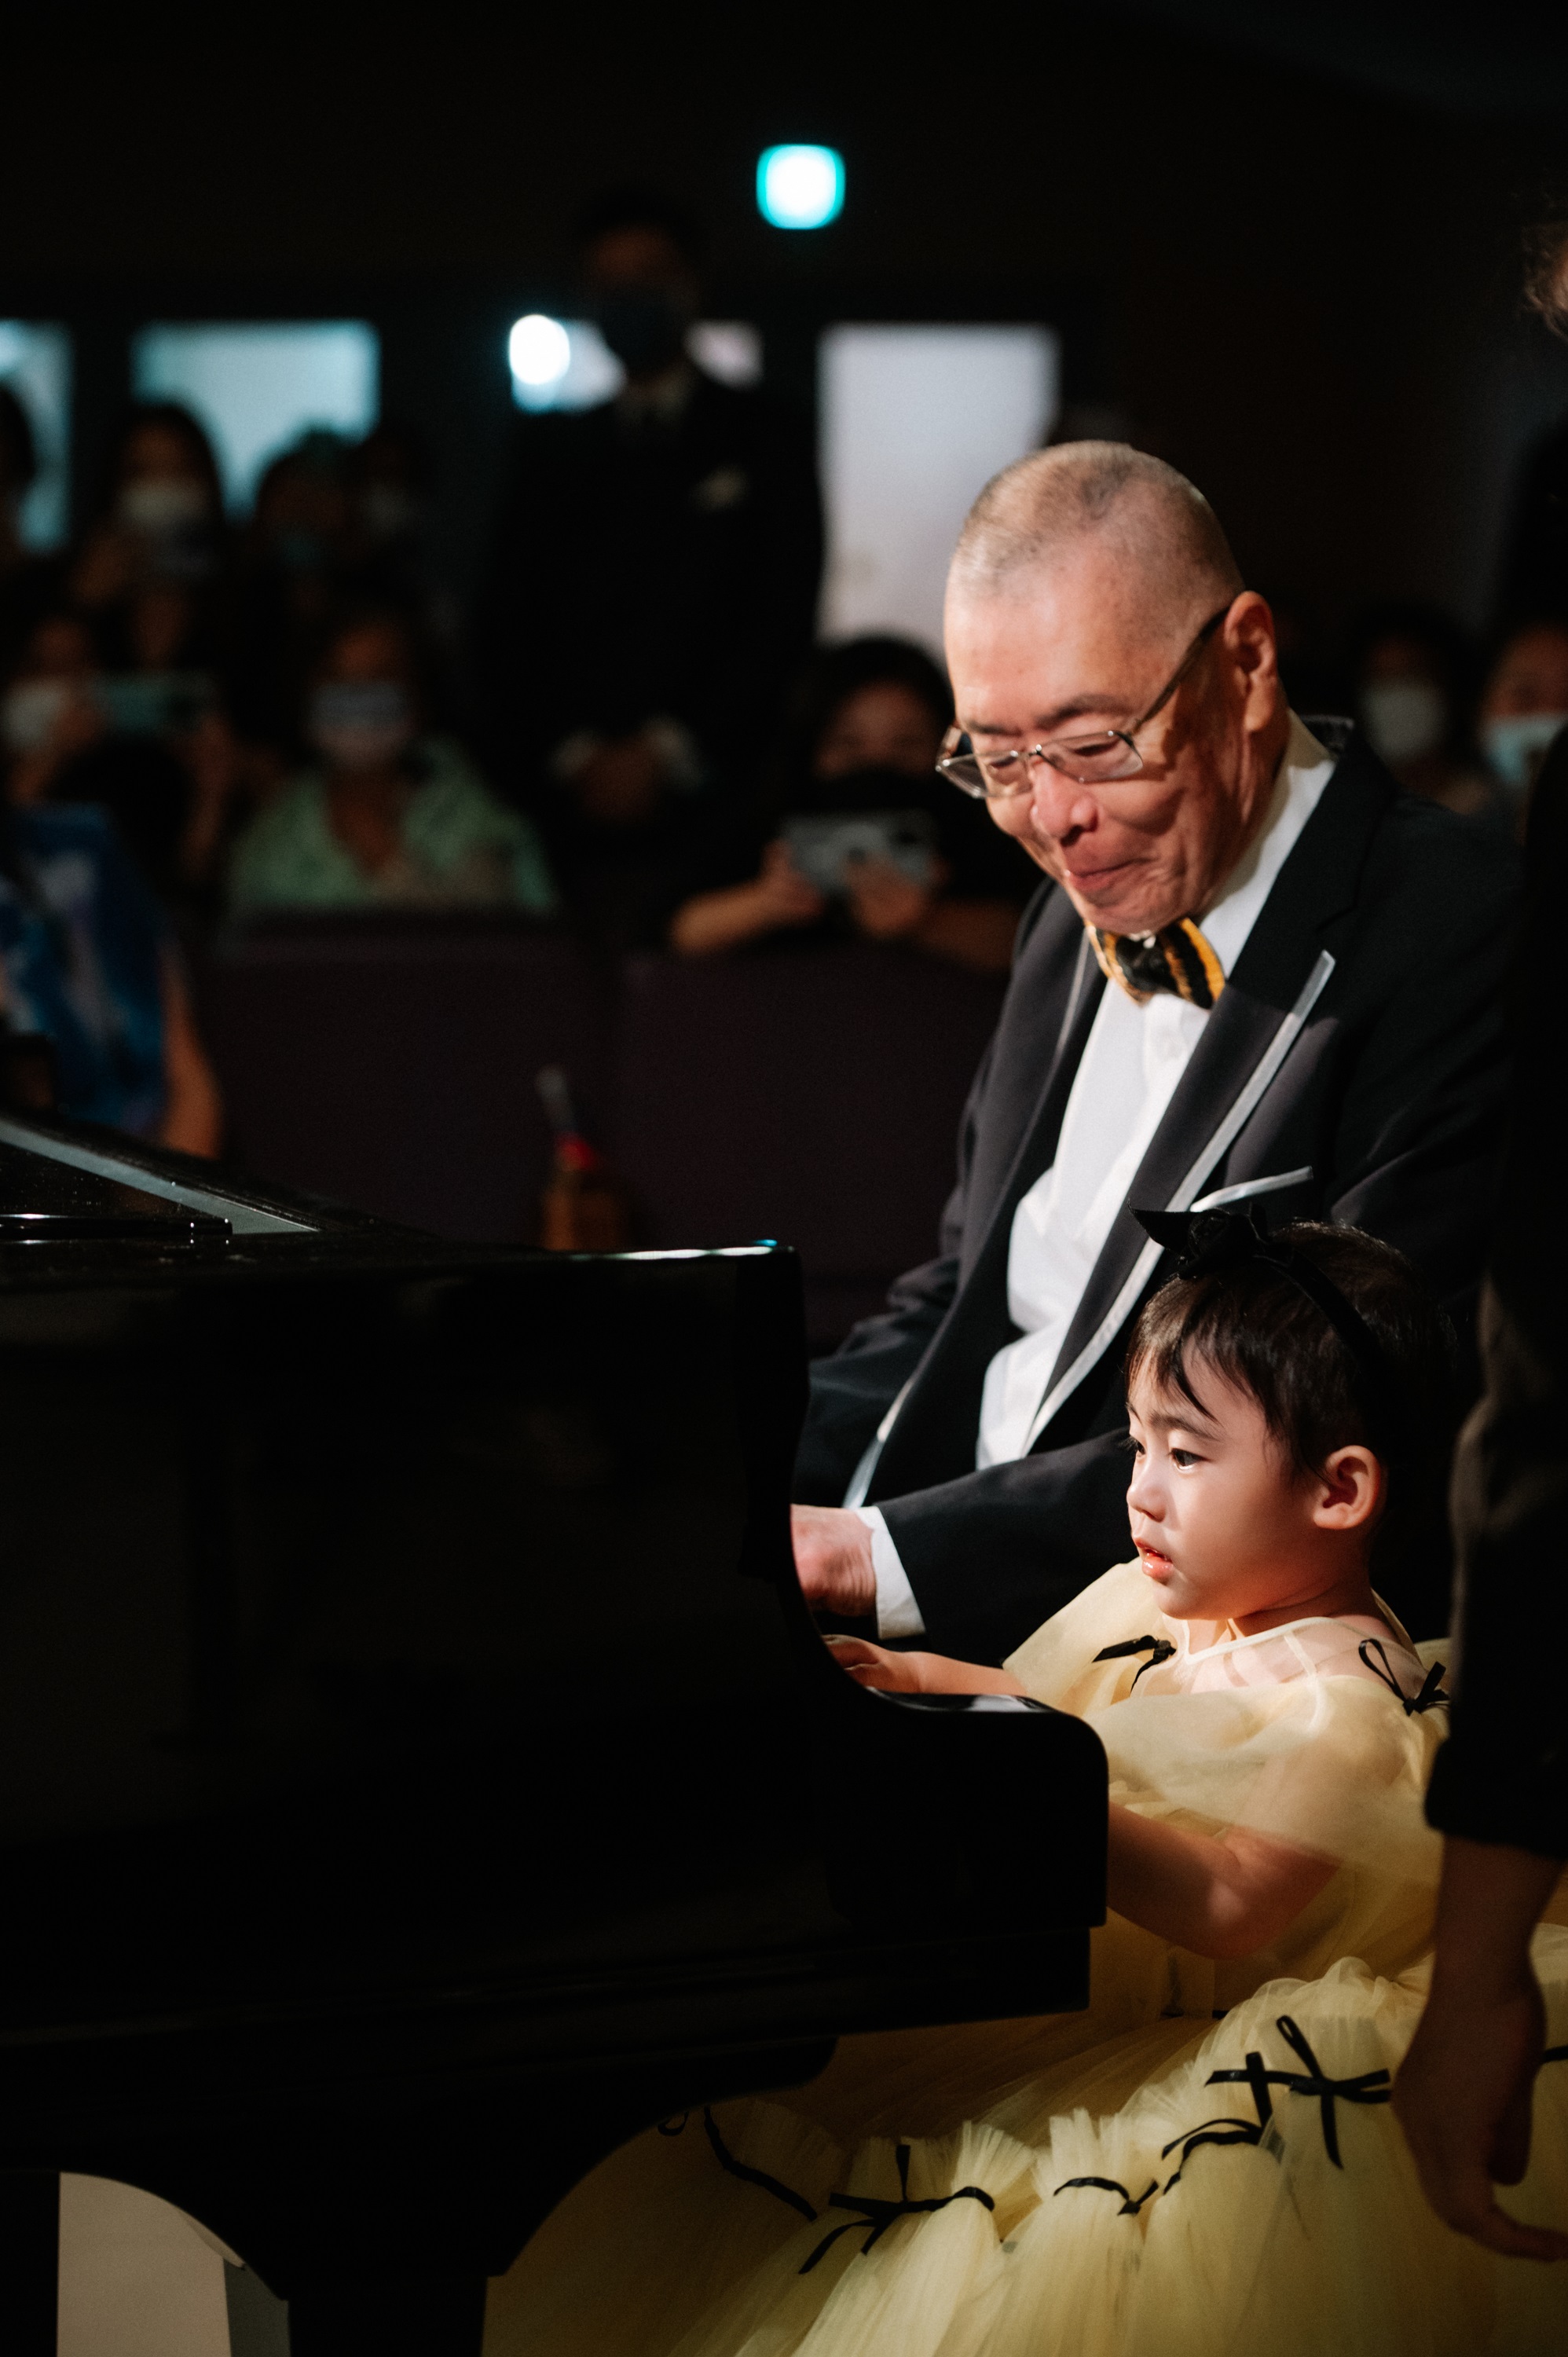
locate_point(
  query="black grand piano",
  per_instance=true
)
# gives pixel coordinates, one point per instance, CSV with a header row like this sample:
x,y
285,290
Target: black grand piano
x,y
411,1733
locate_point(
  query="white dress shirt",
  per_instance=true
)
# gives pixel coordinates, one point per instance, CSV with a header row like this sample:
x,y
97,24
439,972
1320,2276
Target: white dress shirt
x,y
1132,1061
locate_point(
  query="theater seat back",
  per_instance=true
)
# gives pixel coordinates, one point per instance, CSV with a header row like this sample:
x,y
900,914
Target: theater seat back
x,y
809,1093
390,1063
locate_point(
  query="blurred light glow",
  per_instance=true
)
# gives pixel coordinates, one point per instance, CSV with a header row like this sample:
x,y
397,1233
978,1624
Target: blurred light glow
x,y
35,362
565,364
800,187
730,350
258,386
540,351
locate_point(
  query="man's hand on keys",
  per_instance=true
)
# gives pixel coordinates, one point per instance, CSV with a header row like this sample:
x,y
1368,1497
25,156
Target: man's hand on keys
x,y
832,1556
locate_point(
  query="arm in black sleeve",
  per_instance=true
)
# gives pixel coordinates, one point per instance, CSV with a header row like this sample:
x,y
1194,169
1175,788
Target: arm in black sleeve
x,y
1503,1774
1502,1777
991,1556
852,1389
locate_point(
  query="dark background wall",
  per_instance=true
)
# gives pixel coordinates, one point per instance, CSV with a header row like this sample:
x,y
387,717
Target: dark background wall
x,y
1288,252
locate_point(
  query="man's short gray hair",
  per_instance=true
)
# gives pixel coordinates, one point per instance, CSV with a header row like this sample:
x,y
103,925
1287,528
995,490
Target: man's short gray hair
x,y
1034,512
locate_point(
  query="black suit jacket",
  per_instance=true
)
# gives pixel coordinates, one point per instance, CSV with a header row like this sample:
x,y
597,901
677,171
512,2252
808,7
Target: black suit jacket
x,y
1359,1037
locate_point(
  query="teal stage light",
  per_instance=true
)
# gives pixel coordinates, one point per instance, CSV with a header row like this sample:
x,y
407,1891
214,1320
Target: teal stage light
x,y
800,187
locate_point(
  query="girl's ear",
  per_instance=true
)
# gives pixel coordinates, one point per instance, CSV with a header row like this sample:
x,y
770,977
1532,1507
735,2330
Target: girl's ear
x,y
1348,1490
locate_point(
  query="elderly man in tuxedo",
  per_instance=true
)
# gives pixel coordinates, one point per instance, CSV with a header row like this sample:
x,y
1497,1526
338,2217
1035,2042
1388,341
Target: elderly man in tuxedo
x,y
1257,971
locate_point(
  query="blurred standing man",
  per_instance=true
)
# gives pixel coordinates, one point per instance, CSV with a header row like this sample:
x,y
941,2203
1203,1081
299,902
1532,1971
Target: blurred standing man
x,y
1259,971
654,576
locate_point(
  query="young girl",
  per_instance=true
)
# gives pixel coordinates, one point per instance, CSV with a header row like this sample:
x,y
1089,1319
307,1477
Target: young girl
x,y
1206,2160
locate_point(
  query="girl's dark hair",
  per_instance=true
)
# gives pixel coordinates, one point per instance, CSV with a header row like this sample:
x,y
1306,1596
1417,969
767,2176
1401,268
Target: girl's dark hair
x,y
1252,1326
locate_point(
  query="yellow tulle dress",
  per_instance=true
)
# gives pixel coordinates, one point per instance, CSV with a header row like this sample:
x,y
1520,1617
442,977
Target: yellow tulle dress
x,y
1205,2161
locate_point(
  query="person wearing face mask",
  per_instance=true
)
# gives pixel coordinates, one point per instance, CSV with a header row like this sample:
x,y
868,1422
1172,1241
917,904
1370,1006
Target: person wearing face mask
x,y
652,581
1413,672
51,713
386,816
88,960
161,518
1524,705
150,745
855,832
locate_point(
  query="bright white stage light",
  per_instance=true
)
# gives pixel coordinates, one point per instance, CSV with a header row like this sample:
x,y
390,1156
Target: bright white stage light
x,y
538,350
800,187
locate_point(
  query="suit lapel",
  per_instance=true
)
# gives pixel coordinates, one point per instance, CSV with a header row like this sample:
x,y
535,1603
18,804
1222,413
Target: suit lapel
x,y
1038,1140
1277,970
952,1372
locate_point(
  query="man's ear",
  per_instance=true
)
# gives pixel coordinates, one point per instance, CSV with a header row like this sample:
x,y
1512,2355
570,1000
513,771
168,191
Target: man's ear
x,y
1250,636
1348,1490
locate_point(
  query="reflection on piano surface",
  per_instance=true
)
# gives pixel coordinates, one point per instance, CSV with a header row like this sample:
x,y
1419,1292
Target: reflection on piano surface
x,y
411,1728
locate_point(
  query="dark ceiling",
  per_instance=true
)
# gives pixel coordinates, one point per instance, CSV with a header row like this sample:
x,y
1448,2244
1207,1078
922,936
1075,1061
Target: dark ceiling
x,y
1508,58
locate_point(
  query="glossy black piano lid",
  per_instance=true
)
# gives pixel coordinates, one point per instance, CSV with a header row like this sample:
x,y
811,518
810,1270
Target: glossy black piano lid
x,y
403,1671
44,1201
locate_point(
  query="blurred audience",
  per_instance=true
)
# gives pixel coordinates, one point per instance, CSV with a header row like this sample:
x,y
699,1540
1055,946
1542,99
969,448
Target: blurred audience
x,y
51,712
855,831
28,582
149,746
1523,704
386,815
1415,684
1534,576
87,960
652,582
160,518
391,476
289,579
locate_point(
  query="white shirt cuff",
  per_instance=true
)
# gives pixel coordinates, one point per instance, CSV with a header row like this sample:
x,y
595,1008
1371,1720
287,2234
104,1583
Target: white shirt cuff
x,y
897,1614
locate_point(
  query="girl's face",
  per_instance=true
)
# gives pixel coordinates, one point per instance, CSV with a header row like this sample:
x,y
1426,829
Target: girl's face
x,y
1223,1524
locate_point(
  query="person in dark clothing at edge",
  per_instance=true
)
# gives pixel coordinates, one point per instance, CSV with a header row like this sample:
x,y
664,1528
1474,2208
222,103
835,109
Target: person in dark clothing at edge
x,y
651,589
1499,1788
1259,971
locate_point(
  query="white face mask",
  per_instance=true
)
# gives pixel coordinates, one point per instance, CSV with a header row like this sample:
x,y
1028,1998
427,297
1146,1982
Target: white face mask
x,y
1514,745
32,712
362,723
161,505
1403,718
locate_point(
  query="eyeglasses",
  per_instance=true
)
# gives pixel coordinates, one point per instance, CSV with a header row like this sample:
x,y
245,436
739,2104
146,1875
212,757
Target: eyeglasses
x,y
1097,760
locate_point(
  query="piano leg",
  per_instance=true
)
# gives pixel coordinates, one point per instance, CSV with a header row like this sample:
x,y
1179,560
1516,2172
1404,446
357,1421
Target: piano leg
x,y
388,2316
29,2263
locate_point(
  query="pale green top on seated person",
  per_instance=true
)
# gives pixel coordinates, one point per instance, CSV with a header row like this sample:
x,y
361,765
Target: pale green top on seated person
x,y
461,848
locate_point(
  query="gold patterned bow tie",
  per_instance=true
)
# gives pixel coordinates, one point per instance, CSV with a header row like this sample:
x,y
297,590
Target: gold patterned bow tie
x,y
1176,958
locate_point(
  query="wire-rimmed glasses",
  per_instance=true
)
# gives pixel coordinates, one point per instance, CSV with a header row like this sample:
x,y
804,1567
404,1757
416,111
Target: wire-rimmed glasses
x,y
1099,758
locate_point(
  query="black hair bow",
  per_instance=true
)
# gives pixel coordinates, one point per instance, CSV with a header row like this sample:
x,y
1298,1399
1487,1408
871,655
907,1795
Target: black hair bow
x,y
1211,1244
